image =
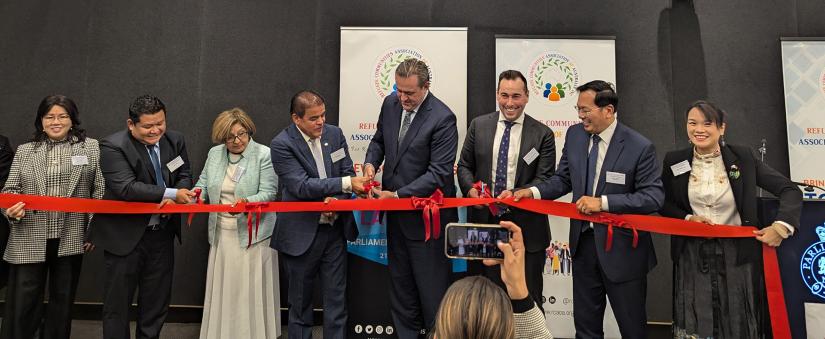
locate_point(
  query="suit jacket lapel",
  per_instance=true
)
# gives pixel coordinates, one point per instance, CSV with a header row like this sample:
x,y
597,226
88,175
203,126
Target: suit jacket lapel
x,y
79,149
419,120
680,182
614,149
524,148
303,149
143,154
218,170
486,134
581,161
326,149
730,159
40,160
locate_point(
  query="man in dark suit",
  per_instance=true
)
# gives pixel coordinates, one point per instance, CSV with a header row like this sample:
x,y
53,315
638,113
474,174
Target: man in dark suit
x,y
312,161
505,150
145,163
416,139
608,167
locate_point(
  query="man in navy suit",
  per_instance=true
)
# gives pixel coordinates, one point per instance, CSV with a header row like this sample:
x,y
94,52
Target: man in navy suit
x,y
312,161
416,139
608,167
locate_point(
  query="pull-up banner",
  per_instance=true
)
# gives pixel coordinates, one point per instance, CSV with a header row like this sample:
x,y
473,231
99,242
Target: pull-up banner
x,y
554,67
369,56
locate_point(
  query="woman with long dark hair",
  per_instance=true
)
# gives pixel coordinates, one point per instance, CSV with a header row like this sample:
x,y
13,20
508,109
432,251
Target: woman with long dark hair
x,y
59,161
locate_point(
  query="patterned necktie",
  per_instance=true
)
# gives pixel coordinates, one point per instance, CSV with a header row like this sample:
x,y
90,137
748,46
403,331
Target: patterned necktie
x,y
592,158
156,165
318,155
405,125
501,163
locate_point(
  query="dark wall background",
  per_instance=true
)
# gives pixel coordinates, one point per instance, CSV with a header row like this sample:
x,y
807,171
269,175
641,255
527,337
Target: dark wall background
x,y
202,57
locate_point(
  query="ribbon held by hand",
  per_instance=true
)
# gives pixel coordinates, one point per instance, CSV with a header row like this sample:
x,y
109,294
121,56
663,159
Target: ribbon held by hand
x,y
253,210
484,192
370,217
198,201
430,206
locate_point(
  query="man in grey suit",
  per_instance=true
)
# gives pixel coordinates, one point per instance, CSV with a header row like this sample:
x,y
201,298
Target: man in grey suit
x,y
313,163
416,139
608,167
507,150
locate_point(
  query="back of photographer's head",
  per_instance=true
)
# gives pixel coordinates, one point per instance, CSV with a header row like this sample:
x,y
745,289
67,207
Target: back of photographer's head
x,y
474,308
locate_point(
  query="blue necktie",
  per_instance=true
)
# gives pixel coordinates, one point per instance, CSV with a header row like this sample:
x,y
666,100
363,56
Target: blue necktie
x,y
156,165
592,158
501,167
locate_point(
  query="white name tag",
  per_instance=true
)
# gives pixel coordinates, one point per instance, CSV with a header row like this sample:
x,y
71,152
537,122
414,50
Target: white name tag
x,y
614,178
531,156
337,155
680,168
80,160
239,171
174,164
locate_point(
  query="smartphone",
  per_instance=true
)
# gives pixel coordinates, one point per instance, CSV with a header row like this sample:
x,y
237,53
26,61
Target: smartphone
x,y
474,241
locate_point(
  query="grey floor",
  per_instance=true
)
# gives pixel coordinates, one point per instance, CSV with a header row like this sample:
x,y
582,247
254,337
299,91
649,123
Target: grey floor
x,y
91,329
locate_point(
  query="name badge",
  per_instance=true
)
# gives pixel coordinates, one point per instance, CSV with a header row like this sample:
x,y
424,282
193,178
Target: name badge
x,y
239,171
614,178
680,168
174,164
337,155
80,160
531,156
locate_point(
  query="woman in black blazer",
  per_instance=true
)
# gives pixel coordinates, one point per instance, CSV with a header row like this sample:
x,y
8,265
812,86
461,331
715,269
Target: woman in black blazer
x,y
719,289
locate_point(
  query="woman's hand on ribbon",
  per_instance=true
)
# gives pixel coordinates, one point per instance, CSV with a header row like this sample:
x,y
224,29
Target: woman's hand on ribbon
x,y
16,211
699,218
238,201
184,196
769,235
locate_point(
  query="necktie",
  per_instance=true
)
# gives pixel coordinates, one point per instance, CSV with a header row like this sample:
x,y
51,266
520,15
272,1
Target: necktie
x,y
318,155
405,125
156,165
501,163
592,157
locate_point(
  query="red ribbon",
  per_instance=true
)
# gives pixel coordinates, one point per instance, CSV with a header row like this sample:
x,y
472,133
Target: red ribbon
x,y
253,210
773,282
375,214
430,206
484,192
197,201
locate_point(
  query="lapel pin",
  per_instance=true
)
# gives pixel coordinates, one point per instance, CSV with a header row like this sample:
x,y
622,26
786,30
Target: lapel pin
x,y
326,144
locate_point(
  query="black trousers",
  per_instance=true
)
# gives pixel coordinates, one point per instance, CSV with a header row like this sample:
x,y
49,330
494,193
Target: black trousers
x,y
148,268
326,256
590,286
419,278
24,296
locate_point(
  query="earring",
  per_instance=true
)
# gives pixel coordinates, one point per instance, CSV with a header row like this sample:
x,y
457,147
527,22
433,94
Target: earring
x,y
722,140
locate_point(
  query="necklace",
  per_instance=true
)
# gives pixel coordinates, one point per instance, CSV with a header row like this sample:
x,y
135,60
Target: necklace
x,y
232,155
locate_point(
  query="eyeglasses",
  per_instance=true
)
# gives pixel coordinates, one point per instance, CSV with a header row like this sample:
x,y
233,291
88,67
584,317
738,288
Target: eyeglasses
x,y
62,117
241,137
584,110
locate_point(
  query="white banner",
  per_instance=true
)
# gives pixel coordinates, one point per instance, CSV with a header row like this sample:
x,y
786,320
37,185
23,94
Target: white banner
x,y
554,68
369,56
803,68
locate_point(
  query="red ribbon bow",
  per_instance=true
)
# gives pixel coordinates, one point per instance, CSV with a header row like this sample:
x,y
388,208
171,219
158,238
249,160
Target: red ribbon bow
x,y
484,191
369,186
254,209
430,206
197,201
610,222
370,217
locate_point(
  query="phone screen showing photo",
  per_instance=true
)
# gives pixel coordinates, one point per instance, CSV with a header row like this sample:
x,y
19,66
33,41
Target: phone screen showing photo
x,y
475,241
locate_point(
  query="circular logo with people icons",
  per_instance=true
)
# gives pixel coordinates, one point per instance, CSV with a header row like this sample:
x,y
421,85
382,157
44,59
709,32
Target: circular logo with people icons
x,y
812,264
554,76
383,75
